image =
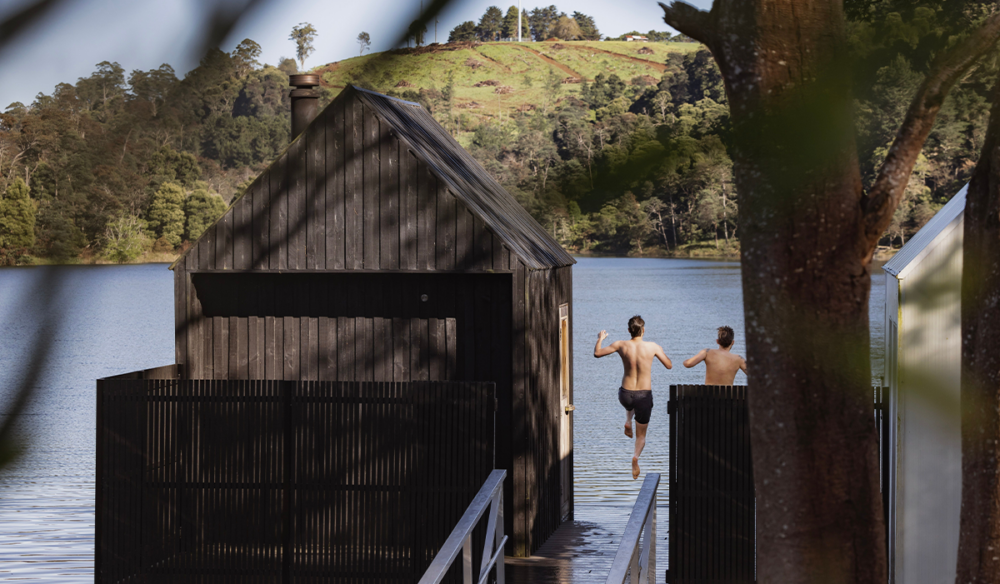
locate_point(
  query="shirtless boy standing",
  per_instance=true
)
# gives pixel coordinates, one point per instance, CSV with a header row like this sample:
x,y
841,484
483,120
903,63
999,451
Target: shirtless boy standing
x,y
721,364
635,393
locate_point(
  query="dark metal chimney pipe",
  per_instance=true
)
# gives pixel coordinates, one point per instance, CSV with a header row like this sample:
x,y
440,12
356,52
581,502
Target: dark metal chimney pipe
x,y
305,101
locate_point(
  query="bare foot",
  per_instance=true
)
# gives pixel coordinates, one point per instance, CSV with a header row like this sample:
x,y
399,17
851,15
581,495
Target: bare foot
x,y
635,468
628,430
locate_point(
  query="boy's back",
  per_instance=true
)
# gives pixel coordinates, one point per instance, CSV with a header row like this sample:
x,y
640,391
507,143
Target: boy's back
x,y
721,364
637,358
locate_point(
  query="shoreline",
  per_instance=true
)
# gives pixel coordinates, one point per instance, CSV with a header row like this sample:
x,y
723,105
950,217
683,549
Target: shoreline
x,y
700,253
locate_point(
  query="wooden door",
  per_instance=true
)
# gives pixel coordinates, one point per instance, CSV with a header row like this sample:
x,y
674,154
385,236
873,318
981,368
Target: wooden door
x,y
565,415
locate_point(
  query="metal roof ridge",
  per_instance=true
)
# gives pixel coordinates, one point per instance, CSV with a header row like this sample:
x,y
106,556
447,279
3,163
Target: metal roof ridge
x,y
457,170
384,96
919,245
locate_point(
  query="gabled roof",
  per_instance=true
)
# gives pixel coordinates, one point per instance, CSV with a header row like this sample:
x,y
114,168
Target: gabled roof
x,y
465,177
914,251
469,181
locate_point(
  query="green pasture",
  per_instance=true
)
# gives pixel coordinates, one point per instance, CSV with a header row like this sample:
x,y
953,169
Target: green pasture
x,y
522,66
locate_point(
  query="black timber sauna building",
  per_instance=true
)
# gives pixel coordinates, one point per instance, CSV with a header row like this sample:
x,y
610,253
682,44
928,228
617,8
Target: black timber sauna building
x,y
375,248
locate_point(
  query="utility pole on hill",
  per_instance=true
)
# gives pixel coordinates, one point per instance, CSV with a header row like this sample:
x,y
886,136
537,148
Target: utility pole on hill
x,y
435,31
518,20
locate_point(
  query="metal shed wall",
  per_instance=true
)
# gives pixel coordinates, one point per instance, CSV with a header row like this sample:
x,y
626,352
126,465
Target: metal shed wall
x,y
923,370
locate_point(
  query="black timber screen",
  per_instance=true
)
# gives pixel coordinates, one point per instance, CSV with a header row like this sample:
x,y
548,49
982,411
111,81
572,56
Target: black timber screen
x,y
712,529
712,508
284,481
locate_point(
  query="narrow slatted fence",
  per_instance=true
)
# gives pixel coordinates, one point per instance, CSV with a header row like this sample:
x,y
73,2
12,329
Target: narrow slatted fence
x,y
712,526
712,498
284,481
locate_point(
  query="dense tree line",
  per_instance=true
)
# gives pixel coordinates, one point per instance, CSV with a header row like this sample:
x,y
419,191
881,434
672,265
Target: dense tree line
x,y
633,165
100,155
538,24
637,165
642,165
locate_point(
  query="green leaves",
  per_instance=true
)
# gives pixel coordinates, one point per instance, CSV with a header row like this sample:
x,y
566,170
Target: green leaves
x,y
124,238
202,208
17,218
490,25
464,32
166,213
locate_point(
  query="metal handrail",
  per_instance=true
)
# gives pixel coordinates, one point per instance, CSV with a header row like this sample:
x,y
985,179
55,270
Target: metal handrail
x,y
636,563
489,497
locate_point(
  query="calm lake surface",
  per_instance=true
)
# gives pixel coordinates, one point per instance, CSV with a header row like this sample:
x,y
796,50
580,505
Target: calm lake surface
x,y
120,319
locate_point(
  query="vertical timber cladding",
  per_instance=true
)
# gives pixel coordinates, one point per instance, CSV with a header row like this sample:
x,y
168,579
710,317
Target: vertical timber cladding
x,y
362,326
537,404
369,188
366,202
712,526
208,480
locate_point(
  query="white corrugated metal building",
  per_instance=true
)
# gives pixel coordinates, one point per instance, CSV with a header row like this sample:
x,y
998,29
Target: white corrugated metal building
x,y
923,372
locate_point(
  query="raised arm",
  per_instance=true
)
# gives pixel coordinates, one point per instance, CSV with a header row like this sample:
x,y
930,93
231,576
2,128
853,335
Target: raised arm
x,y
689,363
663,358
604,351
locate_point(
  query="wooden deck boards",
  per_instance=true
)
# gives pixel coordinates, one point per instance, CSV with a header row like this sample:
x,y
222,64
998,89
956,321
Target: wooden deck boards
x,y
582,550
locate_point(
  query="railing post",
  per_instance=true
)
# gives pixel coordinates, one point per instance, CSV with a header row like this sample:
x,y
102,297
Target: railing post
x,y
467,560
635,561
490,497
499,539
652,547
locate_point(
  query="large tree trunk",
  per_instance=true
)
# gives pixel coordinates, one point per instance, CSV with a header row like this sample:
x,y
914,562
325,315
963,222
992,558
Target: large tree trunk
x,y
806,280
808,234
979,539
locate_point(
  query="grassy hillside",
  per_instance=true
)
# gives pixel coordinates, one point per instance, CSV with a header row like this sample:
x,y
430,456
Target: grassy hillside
x,y
521,66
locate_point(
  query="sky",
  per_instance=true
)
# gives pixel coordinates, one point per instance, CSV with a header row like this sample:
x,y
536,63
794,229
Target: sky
x,y
143,34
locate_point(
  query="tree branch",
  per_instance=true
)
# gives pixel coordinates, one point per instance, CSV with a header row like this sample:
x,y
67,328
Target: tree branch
x,y
691,21
894,173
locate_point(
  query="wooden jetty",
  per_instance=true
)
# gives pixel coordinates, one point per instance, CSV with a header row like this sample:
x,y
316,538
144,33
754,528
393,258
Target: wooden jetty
x,y
581,551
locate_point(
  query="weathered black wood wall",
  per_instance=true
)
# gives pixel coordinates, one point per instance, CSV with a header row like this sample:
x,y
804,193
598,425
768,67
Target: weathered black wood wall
x,y
284,481
537,415
318,273
373,206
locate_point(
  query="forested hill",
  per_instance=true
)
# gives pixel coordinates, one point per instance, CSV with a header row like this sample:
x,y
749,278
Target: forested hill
x,y
615,147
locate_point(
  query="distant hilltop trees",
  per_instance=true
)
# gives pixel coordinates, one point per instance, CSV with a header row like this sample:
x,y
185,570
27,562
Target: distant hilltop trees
x,y
539,24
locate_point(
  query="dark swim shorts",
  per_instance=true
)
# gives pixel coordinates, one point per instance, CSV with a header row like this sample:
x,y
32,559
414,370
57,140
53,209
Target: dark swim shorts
x,y
639,400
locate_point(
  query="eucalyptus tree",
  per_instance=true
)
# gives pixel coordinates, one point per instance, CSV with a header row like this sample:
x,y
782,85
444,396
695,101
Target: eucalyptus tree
x,y
304,34
245,57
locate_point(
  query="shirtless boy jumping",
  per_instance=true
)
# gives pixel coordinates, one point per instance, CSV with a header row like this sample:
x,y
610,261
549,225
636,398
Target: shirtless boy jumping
x,y
635,393
721,364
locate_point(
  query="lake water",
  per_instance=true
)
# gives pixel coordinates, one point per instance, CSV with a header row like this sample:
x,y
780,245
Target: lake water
x,y
120,319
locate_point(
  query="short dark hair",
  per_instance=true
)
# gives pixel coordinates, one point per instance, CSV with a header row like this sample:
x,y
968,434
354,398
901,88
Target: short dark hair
x,y
726,336
635,326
